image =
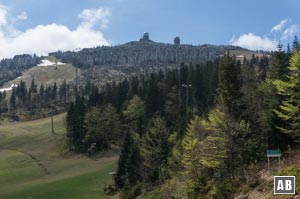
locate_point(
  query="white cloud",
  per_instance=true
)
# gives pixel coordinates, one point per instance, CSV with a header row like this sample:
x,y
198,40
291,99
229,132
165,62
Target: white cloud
x,y
286,31
91,17
22,16
48,38
254,42
43,39
290,32
3,14
279,26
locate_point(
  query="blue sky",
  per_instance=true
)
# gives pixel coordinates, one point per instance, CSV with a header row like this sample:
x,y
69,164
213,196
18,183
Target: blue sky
x,y
42,26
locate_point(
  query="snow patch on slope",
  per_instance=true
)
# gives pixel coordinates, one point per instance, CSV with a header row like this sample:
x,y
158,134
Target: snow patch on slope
x,y
46,62
8,88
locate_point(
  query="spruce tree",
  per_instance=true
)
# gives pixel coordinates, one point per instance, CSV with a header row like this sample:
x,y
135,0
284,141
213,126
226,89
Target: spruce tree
x,y
103,127
279,64
289,109
229,85
155,149
134,115
70,125
33,86
78,130
296,44
13,103
121,175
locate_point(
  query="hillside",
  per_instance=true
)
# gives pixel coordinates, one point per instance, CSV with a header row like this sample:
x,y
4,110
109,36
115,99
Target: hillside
x,y
110,63
150,112
143,53
45,73
34,164
107,64
13,67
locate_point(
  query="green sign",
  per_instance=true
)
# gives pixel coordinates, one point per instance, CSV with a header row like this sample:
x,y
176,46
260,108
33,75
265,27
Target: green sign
x,y
274,153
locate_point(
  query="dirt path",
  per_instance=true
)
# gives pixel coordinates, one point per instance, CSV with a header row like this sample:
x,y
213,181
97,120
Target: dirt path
x,y
34,158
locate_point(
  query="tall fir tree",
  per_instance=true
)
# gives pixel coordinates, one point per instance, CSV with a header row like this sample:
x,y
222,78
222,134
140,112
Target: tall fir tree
x,y
134,115
296,44
279,64
229,85
289,109
155,150
122,171
13,103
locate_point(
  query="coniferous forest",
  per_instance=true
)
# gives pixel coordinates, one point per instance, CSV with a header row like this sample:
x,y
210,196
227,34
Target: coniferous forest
x,y
186,132
12,68
192,132
145,99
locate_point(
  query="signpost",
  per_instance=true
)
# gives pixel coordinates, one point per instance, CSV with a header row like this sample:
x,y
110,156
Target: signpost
x,y
273,154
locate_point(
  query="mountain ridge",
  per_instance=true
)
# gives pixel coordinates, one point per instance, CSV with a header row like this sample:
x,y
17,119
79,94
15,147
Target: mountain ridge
x,y
139,52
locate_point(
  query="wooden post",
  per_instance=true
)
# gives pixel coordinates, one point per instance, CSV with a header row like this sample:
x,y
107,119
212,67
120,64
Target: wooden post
x,y
274,154
52,125
187,101
268,164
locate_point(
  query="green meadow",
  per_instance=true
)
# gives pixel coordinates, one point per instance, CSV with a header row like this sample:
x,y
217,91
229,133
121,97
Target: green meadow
x,y
35,164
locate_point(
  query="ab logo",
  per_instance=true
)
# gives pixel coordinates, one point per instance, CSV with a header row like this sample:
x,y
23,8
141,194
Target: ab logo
x,y
284,184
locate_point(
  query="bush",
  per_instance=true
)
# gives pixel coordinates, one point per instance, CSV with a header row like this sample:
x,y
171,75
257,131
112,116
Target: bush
x,y
223,190
131,192
110,190
292,171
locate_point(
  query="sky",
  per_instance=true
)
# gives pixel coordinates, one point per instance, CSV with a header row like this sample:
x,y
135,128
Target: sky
x,y
43,26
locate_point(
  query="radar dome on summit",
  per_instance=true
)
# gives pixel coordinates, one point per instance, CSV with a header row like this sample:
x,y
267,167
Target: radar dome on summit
x,y
177,40
145,37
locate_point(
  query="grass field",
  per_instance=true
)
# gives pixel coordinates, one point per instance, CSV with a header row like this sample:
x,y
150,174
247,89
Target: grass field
x,y
34,163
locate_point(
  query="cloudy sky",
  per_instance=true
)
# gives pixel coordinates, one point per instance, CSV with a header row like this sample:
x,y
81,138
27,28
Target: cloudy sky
x,y
42,26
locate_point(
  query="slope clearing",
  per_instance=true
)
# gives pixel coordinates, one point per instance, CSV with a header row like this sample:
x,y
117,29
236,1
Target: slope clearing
x,y
46,74
35,164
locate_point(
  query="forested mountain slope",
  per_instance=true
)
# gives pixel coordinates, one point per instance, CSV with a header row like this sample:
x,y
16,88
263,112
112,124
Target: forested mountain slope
x,y
114,63
12,68
143,53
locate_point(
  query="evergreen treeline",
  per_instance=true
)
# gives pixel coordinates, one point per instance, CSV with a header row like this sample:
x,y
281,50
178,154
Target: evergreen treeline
x,y
31,100
192,131
142,54
12,68
3,103
107,114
